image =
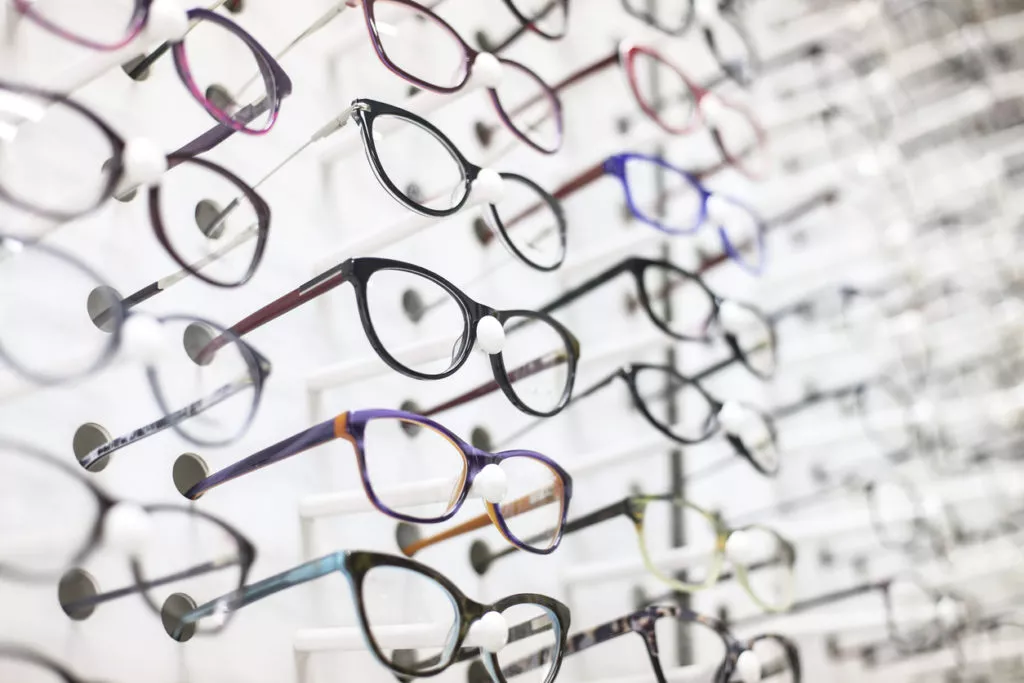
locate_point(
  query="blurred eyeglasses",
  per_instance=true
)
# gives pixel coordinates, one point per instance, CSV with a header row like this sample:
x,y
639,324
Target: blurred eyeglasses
x,y
713,655
182,548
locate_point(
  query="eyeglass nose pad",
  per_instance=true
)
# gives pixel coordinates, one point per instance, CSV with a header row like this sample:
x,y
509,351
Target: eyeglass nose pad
x,y
490,631
127,528
748,666
167,21
487,71
491,484
490,335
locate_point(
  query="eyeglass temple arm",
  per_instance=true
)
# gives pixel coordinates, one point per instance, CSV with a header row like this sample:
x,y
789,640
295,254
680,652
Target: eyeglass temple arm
x,y
518,506
820,600
322,283
282,450
596,517
587,285
814,398
793,213
195,408
528,369
588,71
198,570
235,600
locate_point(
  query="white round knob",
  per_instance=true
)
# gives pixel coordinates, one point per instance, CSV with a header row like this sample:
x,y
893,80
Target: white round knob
x,y
748,666
488,188
737,319
490,632
144,162
491,484
145,339
734,417
127,528
487,70
490,335
950,612
166,21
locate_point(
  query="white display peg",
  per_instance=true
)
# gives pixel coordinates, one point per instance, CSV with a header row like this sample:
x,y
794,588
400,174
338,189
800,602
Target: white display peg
x,y
734,417
399,636
423,103
488,188
748,666
491,484
737,319
127,528
490,335
144,164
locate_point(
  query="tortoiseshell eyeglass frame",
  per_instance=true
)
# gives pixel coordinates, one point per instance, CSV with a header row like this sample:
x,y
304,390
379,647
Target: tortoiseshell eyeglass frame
x,y
355,566
640,622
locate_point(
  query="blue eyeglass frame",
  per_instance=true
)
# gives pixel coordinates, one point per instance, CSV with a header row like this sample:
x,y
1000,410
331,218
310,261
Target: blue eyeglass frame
x,y
615,166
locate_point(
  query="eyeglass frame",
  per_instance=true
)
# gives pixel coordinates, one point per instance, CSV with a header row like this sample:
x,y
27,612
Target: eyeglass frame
x,y
354,566
351,426
357,271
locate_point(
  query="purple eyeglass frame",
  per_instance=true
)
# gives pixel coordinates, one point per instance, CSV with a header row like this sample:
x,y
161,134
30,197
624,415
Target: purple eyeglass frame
x,y
351,427
278,84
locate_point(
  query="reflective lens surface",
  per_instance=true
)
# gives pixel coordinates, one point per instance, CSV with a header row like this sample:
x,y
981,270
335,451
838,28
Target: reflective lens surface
x,y
422,170
191,558
530,106
405,607
234,81
662,195
697,417
537,362
212,400
395,464
418,45
34,543
662,91
532,507
46,332
686,643
532,643
699,560
211,225
679,302
385,292
529,222
54,159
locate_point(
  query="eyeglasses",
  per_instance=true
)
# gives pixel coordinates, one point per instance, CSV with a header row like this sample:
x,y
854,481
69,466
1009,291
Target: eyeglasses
x,y
712,652
380,587
208,398
763,560
680,106
380,286
533,483
208,30
183,547
698,314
